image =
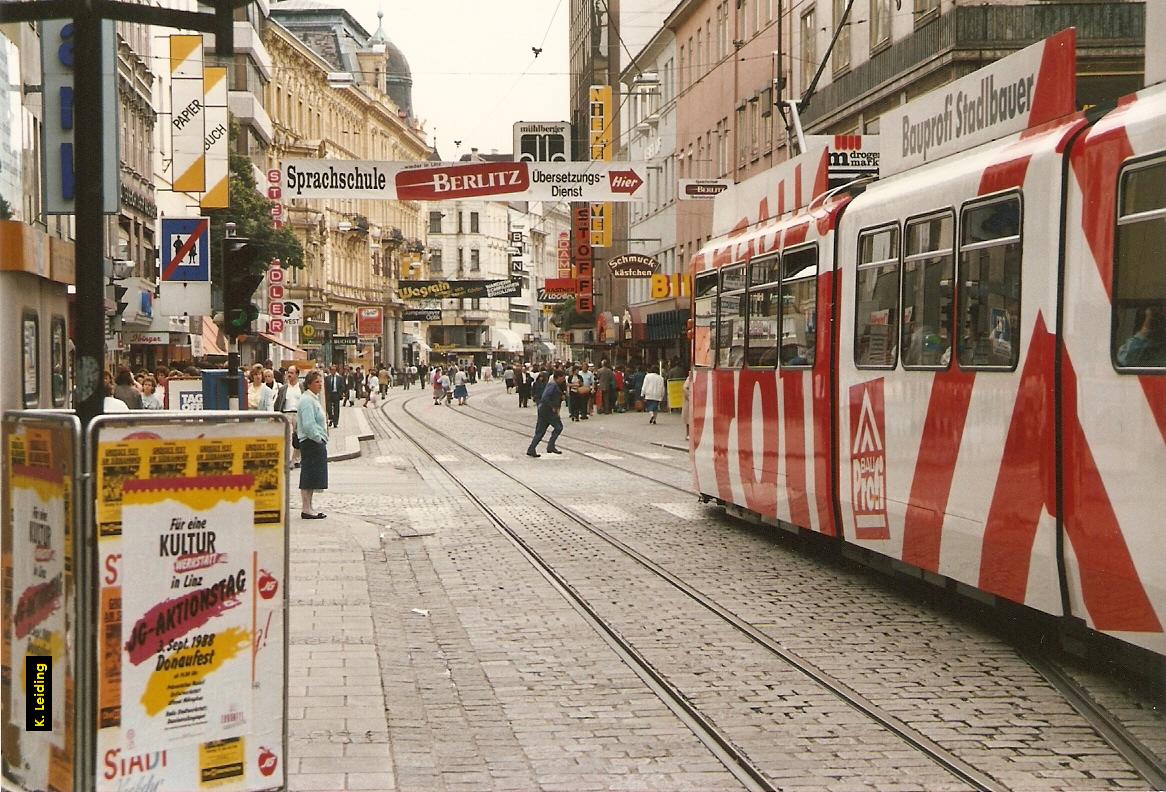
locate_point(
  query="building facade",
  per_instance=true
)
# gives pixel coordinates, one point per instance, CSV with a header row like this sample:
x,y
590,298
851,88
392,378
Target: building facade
x,y
354,250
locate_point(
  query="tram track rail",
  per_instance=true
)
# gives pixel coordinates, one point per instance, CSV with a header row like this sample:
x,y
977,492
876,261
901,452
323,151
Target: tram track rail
x,y
732,757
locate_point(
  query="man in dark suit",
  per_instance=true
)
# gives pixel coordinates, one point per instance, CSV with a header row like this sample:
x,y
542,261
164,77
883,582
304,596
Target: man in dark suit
x,y
548,415
334,387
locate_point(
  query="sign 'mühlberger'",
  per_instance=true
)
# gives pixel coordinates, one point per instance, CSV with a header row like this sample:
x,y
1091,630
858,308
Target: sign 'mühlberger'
x,y
443,181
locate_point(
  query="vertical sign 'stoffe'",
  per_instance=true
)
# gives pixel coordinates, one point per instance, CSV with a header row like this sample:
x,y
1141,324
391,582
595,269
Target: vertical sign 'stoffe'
x,y
583,259
216,146
187,114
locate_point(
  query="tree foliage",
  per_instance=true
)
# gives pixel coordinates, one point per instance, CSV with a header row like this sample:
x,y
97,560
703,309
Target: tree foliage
x,y
250,211
564,316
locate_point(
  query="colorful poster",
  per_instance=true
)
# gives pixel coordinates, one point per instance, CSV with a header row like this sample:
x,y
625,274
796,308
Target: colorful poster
x,y
38,498
184,630
191,632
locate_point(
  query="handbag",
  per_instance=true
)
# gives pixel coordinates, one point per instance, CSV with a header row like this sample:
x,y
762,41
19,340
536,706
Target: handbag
x,y
295,440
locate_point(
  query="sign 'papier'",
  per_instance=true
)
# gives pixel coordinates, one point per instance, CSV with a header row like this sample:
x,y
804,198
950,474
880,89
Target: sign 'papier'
x,y
444,181
1025,90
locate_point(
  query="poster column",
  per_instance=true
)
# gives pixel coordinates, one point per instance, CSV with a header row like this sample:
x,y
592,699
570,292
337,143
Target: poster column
x,y
39,475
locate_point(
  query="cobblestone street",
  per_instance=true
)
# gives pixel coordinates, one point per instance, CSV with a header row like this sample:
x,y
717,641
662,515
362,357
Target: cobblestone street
x,y
428,652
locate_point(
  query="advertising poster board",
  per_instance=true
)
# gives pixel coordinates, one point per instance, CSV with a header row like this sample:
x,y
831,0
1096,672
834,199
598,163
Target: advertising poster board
x,y
39,496
190,520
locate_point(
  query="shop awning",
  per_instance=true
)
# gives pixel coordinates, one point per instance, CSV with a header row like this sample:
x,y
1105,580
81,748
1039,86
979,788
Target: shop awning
x,y
210,339
505,339
411,340
280,342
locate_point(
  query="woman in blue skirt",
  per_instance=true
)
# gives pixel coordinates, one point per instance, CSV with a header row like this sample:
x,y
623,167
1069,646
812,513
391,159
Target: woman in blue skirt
x,y
312,434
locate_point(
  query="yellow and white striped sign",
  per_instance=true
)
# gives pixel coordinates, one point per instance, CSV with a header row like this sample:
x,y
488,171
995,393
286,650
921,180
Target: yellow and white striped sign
x,y
600,139
216,146
187,114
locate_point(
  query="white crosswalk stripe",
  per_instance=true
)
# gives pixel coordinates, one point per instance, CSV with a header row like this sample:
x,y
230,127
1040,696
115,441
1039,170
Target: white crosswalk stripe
x,y
395,461
603,456
685,510
650,455
497,457
601,512
444,458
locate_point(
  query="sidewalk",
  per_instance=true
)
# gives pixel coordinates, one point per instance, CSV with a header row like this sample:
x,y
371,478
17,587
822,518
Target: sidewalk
x,y
344,441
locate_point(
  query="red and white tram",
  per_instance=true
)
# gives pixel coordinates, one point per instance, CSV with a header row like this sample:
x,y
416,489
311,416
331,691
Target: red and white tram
x,y
962,365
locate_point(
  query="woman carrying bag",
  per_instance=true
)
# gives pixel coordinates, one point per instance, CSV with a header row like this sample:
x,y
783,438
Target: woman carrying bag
x,y
312,434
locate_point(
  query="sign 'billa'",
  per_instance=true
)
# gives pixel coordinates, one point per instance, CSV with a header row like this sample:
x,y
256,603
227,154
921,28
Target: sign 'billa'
x,y
633,265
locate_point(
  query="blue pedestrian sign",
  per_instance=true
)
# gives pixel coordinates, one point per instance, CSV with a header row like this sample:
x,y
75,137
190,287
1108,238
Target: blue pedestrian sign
x,y
185,251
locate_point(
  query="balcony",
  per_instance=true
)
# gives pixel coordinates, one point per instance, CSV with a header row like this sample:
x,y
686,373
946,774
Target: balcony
x,y
472,315
980,34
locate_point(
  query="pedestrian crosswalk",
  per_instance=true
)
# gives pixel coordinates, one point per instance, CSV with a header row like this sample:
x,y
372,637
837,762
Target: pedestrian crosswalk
x,y
497,457
603,456
444,459
601,512
685,510
394,461
652,455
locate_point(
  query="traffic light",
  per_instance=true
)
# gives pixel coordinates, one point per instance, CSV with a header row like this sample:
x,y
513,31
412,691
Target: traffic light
x,y
240,280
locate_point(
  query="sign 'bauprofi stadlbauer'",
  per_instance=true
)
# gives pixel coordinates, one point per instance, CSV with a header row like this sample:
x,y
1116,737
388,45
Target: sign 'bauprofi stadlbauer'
x,y
444,181
1024,90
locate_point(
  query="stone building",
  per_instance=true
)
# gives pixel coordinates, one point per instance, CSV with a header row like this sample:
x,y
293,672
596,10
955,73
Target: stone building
x,y
342,93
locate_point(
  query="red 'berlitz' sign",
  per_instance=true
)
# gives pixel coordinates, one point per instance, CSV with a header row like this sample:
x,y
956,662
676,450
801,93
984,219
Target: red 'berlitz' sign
x,y
462,181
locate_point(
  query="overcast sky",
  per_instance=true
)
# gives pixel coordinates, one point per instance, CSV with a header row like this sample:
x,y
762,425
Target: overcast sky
x,y
474,73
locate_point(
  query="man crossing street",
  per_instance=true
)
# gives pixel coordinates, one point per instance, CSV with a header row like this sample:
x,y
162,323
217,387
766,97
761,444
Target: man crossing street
x,y
548,415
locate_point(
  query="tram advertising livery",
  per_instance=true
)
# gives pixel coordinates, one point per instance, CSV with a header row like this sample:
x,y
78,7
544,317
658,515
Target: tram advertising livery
x,y
961,365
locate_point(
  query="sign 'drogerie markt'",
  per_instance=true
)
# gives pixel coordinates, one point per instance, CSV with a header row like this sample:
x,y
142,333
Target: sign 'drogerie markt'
x,y
443,181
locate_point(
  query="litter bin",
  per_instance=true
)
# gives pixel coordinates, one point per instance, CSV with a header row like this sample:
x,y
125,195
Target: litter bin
x,y
214,390
675,395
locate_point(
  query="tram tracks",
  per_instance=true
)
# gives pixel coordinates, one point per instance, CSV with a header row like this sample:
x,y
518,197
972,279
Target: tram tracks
x,y
1142,758
734,758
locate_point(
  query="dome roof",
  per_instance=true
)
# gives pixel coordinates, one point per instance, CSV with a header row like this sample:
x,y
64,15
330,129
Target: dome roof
x,y
398,77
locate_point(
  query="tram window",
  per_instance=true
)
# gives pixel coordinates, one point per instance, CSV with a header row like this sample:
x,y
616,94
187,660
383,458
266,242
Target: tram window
x,y
876,299
989,284
705,305
59,360
764,270
925,330
799,305
1139,287
764,322
731,317
30,359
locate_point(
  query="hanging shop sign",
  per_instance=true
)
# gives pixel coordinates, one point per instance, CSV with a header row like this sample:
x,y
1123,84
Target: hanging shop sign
x,y
633,265
188,116
563,250
582,255
369,321
344,340
421,315
703,189
60,183
448,181
459,289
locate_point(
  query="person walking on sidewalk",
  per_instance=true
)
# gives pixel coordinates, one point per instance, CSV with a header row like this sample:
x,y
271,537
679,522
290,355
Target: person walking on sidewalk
x,y
460,391
333,395
287,401
605,380
313,437
653,392
548,416
523,383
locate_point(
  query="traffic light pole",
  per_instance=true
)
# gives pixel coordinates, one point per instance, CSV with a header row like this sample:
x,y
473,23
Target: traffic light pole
x,y
89,167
